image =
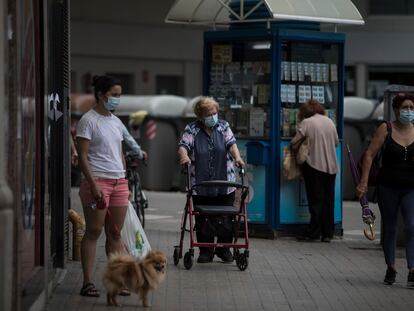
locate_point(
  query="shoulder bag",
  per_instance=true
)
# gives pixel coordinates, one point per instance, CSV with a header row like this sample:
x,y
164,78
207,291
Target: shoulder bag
x,y
303,151
291,168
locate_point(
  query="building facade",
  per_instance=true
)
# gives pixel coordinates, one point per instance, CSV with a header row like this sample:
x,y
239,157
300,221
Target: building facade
x,y
379,53
34,150
149,56
152,57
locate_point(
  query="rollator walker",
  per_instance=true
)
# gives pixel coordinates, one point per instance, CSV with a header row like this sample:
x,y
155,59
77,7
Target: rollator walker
x,y
239,214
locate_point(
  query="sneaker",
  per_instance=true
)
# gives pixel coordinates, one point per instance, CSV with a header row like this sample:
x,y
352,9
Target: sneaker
x,y
204,257
390,276
410,279
326,240
224,254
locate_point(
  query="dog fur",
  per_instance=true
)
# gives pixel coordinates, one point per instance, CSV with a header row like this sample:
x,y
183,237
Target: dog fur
x,y
138,275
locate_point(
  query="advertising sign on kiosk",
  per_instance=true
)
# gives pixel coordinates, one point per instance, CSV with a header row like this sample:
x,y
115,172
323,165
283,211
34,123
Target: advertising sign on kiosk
x,y
261,70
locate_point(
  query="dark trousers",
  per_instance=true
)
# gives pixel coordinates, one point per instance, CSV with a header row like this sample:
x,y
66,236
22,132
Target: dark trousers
x,y
390,200
320,191
207,227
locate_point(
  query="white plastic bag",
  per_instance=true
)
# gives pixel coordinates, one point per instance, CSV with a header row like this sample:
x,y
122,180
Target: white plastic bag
x,y
133,235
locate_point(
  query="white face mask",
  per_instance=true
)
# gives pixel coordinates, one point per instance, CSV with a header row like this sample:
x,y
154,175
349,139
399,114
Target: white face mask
x,y
406,116
112,103
210,121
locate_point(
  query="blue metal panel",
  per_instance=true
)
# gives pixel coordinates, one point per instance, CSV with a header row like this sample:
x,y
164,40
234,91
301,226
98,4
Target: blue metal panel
x,y
301,35
256,180
237,35
338,216
274,183
341,91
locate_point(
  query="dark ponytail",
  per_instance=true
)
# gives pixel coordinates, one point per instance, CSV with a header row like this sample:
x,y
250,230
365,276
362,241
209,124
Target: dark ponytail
x,y
103,84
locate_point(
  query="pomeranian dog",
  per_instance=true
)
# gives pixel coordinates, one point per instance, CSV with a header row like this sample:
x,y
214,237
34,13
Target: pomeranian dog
x,y
138,275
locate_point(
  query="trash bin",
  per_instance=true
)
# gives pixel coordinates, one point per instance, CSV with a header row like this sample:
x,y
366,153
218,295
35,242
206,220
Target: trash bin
x,y
159,135
180,180
159,139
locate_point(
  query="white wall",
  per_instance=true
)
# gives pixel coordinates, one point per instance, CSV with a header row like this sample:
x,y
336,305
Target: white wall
x,y
380,48
191,70
136,41
383,40
144,12
133,38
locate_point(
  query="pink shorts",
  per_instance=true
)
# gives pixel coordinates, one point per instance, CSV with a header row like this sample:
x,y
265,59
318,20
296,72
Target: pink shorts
x,y
115,191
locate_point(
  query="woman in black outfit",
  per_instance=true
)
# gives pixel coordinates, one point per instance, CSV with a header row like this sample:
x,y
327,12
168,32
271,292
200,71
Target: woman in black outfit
x,y
395,182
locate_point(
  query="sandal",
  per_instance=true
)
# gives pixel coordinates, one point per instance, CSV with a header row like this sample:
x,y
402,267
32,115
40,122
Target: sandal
x,y
125,292
89,290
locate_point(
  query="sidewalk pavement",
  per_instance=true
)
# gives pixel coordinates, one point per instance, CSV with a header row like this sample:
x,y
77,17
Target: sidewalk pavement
x,y
283,274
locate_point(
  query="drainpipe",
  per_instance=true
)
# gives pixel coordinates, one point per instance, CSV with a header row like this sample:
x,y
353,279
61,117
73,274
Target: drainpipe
x,y
6,198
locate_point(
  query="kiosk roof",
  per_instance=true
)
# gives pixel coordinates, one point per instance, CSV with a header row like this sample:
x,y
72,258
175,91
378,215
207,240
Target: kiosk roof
x,y
220,12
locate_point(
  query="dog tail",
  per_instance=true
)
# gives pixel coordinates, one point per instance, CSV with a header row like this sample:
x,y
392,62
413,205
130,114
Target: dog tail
x,y
116,258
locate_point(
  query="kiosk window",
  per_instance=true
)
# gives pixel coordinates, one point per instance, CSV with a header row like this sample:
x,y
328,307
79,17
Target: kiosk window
x,y
308,71
239,79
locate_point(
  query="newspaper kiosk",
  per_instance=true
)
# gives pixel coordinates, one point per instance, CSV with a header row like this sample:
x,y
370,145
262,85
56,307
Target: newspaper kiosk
x,y
270,60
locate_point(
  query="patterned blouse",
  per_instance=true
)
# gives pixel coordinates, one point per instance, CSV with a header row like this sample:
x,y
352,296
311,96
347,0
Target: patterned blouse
x,y
209,154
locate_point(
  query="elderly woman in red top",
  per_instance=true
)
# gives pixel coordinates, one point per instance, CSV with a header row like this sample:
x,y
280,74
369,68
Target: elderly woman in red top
x,y
319,170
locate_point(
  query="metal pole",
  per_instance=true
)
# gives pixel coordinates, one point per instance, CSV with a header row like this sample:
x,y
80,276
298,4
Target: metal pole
x,y
241,9
6,198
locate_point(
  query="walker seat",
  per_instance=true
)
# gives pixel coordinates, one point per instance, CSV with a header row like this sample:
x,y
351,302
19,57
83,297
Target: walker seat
x,y
216,209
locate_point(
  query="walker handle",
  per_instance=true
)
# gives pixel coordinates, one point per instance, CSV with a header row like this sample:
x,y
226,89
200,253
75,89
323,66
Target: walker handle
x,y
188,172
241,174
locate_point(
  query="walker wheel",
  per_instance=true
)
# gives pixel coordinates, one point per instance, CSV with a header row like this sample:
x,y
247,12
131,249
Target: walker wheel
x,y
242,261
188,261
176,255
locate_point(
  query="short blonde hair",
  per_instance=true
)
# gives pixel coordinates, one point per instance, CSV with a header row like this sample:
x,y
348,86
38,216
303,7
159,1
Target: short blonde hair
x,y
203,104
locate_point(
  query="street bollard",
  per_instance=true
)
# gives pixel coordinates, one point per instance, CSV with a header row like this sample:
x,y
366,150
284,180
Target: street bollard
x,y
78,230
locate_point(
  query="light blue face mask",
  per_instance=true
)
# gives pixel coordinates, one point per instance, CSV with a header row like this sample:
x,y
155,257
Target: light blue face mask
x,y
406,116
210,121
112,103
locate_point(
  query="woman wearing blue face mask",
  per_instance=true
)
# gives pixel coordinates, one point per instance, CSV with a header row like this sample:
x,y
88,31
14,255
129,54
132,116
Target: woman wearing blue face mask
x,y
395,182
208,144
103,188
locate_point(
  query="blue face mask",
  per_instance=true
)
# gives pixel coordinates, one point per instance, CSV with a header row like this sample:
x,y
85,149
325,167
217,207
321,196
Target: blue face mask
x,y
112,103
211,120
406,116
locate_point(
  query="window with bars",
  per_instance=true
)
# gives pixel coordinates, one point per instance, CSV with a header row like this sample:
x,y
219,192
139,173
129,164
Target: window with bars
x,y
395,7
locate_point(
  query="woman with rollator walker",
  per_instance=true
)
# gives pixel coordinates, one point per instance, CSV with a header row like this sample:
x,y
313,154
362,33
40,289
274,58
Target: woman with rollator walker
x,y
208,144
